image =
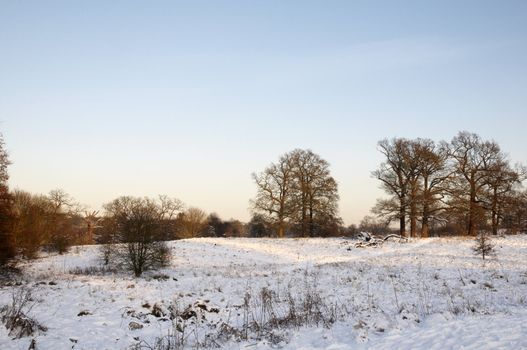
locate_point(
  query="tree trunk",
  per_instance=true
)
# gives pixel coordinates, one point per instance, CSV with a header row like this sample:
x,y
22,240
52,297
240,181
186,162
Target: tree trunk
x,y
304,216
402,218
425,230
494,223
472,210
413,220
494,212
281,229
311,223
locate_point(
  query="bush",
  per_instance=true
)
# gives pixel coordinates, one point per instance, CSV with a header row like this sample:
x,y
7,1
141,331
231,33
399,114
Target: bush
x,y
137,225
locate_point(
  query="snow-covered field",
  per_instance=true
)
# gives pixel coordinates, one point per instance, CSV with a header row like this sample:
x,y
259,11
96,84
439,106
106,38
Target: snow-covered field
x,y
285,293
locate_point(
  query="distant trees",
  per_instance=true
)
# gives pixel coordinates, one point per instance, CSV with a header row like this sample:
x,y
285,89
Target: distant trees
x,y
61,217
502,183
216,227
169,209
233,228
275,193
258,226
31,224
297,192
396,174
515,213
468,182
53,222
371,224
191,223
467,185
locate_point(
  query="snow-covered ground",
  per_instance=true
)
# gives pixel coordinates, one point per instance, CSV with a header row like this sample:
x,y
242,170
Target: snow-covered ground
x,y
285,293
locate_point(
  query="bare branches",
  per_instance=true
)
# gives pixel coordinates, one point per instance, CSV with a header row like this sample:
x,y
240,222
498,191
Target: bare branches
x,y
297,190
138,225
469,180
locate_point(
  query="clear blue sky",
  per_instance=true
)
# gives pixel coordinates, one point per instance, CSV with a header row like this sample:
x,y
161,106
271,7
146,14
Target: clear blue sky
x,y
107,98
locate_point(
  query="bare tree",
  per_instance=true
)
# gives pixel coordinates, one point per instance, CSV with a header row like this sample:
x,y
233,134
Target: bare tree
x,y
298,190
473,161
274,193
502,181
63,211
396,174
315,192
433,171
462,184
169,209
60,200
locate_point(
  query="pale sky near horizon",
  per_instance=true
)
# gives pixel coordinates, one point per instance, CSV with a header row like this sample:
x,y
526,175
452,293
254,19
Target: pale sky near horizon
x,y
188,98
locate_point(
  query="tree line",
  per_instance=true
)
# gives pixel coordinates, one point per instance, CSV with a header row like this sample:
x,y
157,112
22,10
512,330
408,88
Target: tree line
x,y
136,226
434,188
461,186
55,221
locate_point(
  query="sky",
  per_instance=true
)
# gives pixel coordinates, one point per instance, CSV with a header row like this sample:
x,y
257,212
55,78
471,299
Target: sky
x,y
188,98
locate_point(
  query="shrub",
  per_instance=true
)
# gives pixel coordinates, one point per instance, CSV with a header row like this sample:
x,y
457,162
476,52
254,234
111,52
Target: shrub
x,y
138,231
15,316
483,245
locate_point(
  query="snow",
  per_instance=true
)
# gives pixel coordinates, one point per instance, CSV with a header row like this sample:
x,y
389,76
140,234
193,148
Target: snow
x,y
425,294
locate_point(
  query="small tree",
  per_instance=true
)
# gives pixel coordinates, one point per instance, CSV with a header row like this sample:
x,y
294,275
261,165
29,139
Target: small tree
x,y
483,245
137,223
